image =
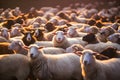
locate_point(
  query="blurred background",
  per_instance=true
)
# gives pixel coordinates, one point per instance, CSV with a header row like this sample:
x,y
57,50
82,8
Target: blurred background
x,y
25,5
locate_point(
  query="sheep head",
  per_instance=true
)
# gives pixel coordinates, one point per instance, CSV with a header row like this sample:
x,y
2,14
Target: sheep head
x,y
33,51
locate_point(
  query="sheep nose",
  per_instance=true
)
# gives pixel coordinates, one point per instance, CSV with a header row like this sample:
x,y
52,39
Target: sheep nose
x,y
59,39
85,62
31,55
102,33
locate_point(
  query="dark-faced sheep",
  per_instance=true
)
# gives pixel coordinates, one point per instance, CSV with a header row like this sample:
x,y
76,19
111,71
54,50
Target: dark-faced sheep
x,y
111,52
90,38
28,38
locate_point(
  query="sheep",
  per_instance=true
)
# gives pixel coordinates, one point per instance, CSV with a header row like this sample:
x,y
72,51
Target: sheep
x,y
104,33
74,48
93,69
63,16
17,25
15,32
16,12
96,45
91,22
99,24
8,23
50,27
54,67
115,26
60,40
20,69
4,48
39,35
7,14
77,19
111,52
5,33
99,47
2,39
92,29
72,32
91,38
115,38
28,38
17,46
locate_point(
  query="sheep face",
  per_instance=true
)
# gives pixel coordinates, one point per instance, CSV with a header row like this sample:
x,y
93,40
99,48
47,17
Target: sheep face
x,y
87,57
17,25
114,37
92,29
89,37
15,31
36,25
4,33
15,45
38,32
59,36
74,48
49,26
34,51
106,31
28,36
71,31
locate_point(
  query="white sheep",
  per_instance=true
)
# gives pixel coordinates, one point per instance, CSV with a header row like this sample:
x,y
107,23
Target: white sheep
x,y
60,40
73,48
14,66
2,39
5,33
93,69
15,32
54,67
72,32
115,38
99,47
104,33
17,46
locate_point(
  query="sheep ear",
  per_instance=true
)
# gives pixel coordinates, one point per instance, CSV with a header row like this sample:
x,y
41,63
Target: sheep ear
x,y
42,29
9,30
75,28
26,47
94,53
75,48
40,47
32,32
65,33
54,33
78,52
21,43
23,32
